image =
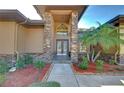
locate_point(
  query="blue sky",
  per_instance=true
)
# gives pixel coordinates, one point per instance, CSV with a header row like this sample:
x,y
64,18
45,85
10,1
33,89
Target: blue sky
x,y
101,13
93,13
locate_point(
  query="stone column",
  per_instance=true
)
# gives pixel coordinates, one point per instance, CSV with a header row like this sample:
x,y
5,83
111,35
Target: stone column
x,y
47,44
121,57
74,37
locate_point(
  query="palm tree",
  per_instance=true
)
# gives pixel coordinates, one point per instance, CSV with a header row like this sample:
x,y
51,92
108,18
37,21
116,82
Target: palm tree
x,y
106,36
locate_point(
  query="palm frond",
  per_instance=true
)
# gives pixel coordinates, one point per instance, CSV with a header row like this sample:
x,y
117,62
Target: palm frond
x,y
106,35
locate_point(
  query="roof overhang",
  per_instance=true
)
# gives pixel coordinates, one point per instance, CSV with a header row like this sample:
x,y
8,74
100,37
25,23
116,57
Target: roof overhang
x,y
117,20
15,15
41,9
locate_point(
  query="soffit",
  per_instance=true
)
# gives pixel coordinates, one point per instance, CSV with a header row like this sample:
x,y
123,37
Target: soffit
x,y
41,9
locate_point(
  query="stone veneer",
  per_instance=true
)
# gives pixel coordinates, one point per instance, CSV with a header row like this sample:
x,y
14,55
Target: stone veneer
x,y
48,38
47,47
121,58
10,59
74,37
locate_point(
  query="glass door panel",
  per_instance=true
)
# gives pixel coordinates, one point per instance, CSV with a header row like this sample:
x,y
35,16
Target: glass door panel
x,y
62,47
65,49
59,47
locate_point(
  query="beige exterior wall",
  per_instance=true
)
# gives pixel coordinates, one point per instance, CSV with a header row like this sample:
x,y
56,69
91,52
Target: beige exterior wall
x,y
34,40
17,38
21,39
7,30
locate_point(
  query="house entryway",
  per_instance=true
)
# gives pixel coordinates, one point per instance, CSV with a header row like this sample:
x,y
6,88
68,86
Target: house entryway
x,y
61,59
62,52
61,47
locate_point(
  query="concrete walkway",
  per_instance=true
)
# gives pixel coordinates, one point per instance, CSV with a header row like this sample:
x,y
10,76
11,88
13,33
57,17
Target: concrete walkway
x,y
63,74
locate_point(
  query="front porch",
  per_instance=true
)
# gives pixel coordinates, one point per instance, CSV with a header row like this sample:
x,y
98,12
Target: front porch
x,y
61,31
61,59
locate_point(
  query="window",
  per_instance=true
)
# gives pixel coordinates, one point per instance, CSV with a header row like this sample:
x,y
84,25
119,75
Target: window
x,y
62,33
62,30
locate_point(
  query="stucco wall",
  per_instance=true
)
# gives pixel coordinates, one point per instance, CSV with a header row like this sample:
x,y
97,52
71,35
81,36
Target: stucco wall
x,y
7,30
21,39
34,40
15,37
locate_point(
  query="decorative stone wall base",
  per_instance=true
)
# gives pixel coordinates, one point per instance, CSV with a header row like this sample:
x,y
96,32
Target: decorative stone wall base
x,y
46,57
9,58
121,58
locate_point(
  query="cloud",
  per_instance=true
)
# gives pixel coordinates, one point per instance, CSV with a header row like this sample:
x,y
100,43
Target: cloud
x,y
25,7
82,25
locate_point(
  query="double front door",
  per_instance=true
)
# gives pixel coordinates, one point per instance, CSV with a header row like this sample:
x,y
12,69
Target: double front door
x,y
62,47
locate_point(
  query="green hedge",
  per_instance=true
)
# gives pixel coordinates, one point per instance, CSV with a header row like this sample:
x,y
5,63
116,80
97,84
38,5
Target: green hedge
x,y
46,84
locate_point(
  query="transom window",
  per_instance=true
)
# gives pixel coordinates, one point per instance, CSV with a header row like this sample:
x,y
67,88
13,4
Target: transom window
x,y
62,33
62,29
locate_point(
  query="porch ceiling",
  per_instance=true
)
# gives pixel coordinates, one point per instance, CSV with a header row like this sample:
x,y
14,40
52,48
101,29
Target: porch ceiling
x,y
61,18
60,9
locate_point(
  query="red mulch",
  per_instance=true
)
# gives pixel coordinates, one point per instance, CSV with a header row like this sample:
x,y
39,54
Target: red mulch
x,y
92,69
24,77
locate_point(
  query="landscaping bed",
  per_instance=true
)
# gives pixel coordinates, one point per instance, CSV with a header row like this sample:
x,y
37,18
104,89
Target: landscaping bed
x,y
24,77
107,69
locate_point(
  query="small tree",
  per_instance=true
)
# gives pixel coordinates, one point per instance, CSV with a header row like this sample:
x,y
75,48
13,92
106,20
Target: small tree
x,y
106,36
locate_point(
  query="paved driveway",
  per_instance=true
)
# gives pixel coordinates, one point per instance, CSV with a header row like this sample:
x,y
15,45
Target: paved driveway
x,y
63,74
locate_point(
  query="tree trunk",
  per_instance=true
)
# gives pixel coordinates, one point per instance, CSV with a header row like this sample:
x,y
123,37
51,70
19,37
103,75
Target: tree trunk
x,y
88,54
97,55
116,56
92,56
88,57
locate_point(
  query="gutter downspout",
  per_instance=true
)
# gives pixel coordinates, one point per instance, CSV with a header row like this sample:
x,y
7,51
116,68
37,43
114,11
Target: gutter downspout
x,y
17,28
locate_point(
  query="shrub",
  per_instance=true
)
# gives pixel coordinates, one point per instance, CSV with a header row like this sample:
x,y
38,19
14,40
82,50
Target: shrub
x,y
112,62
24,60
46,84
120,68
20,63
39,64
3,67
99,65
28,59
84,64
2,79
